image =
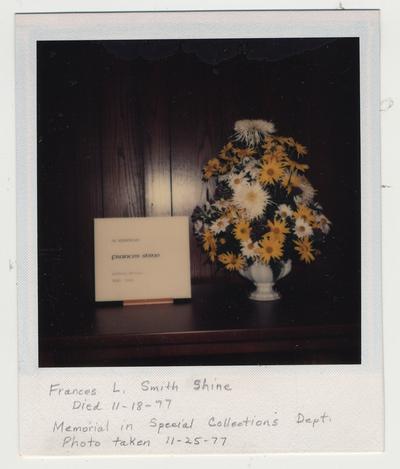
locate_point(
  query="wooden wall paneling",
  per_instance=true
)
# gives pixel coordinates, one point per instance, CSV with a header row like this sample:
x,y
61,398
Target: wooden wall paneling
x,y
122,140
260,102
195,138
335,161
319,111
114,134
88,168
322,106
309,128
234,94
49,171
155,128
280,105
244,92
57,227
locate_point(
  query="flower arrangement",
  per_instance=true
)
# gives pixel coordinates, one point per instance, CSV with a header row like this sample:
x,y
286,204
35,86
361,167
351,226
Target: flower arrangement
x,y
263,208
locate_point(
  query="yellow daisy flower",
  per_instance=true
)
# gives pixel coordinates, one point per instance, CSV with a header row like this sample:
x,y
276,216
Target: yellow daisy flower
x,y
243,152
271,171
268,143
267,156
274,151
232,261
225,168
291,179
279,152
270,248
209,243
242,230
288,140
301,149
233,214
212,255
274,156
305,212
211,168
207,173
278,229
223,154
305,249
295,166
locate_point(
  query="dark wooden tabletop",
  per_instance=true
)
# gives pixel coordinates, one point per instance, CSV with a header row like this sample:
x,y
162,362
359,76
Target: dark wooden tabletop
x,y
219,325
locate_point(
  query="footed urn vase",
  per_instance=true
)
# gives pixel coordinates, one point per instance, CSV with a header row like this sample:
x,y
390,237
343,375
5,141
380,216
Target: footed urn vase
x,y
263,278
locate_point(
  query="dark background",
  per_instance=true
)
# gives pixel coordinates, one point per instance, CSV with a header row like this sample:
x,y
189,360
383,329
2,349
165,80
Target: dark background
x,y
124,128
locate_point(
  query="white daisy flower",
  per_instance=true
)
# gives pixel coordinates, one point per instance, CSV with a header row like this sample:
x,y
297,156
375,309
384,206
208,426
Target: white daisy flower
x,y
302,228
219,225
252,131
252,198
235,179
308,192
284,211
249,248
323,223
197,226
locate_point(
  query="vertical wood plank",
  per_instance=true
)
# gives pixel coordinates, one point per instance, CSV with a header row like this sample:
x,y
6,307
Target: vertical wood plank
x,y
121,141
54,177
195,138
88,166
154,126
244,92
69,176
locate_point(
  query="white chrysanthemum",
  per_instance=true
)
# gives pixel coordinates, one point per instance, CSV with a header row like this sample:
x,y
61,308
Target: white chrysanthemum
x,y
219,225
252,198
284,211
249,248
236,180
323,223
302,228
252,131
308,192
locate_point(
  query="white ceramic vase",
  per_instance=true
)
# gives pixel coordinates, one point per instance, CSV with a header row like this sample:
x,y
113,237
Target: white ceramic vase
x,y
263,278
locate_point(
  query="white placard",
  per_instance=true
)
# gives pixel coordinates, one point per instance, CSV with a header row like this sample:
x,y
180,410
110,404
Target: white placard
x,y
142,258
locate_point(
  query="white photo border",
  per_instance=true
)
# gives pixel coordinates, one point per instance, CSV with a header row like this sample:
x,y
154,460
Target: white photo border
x,y
372,348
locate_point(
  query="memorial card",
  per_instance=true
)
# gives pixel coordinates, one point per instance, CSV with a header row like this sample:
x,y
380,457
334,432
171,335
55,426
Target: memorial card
x,y
142,258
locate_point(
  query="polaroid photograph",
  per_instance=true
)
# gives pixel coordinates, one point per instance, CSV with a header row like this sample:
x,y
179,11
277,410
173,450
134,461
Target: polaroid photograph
x,y
198,232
